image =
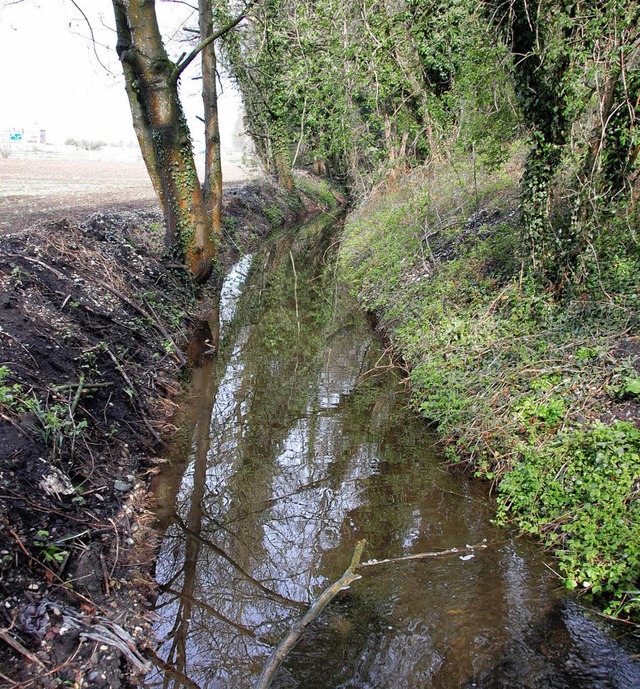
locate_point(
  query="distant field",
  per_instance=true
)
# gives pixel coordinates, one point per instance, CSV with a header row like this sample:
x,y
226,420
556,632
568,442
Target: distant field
x,y
34,189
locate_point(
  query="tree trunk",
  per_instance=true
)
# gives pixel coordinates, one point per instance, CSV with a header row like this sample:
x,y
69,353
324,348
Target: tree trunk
x,y
282,156
165,142
213,160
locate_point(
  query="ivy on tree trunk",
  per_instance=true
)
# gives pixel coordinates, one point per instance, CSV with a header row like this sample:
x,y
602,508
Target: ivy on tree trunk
x,y
152,87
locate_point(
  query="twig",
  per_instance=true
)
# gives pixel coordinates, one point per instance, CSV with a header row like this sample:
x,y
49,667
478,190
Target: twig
x,y
115,559
17,646
76,399
17,341
424,556
295,290
57,273
62,582
12,683
20,430
275,660
73,386
127,380
179,354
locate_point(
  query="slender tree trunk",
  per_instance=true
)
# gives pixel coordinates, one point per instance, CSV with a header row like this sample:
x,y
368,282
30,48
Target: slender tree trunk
x,y
143,134
282,157
152,87
213,160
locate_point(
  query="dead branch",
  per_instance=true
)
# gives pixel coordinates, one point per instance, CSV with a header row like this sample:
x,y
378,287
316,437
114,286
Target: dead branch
x,y
269,671
284,648
42,264
17,646
112,634
424,556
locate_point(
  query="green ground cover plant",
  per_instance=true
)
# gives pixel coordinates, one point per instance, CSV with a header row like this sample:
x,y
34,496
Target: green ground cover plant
x,y
524,384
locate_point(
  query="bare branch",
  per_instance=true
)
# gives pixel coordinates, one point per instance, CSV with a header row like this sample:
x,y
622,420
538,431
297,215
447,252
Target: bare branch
x,y
424,556
93,38
182,2
183,64
275,660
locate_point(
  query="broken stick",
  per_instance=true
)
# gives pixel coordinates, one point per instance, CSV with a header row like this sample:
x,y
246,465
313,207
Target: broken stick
x,y
424,556
275,660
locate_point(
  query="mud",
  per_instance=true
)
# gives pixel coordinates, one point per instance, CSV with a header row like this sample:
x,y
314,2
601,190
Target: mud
x,y
93,326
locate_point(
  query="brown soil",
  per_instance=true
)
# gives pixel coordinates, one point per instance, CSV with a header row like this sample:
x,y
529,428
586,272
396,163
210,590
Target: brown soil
x,y
88,378
46,189
92,324
37,189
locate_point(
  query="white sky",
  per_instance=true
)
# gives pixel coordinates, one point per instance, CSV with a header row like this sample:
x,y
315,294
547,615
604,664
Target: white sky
x,y
50,75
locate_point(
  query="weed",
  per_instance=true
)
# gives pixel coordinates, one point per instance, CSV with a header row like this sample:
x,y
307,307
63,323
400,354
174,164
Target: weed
x,y
274,215
49,552
585,487
56,423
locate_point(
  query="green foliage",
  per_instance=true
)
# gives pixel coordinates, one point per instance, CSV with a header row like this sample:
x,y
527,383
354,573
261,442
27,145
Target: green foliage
x,y
385,93
584,137
515,378
318,190
50,553
632,387
580,490
363,90
9,394
275,215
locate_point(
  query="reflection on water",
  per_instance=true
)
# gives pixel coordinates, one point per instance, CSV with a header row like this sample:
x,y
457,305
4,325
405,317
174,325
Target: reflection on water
x,y
303,444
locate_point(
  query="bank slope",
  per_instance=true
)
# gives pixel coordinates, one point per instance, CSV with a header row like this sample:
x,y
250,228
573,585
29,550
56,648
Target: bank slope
x,y
536,392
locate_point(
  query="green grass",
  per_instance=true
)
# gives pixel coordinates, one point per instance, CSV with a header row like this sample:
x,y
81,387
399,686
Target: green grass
x,y
517,380
317,189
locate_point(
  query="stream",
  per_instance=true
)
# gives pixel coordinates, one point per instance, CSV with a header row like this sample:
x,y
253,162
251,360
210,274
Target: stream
x,y
298,442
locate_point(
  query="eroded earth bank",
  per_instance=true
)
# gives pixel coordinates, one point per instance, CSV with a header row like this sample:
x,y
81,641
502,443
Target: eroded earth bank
x,y
94,333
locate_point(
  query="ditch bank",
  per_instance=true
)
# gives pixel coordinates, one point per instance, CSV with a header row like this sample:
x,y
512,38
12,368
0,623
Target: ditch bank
x,y
537,393
94,332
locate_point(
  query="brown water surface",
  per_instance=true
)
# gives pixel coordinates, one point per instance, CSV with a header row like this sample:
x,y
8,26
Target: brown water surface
x,y
301,443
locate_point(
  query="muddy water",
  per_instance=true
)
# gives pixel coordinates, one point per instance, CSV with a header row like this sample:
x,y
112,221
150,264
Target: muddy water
x,y
300,443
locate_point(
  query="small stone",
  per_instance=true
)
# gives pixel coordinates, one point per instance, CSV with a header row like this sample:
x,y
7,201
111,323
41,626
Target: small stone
x,y
122,486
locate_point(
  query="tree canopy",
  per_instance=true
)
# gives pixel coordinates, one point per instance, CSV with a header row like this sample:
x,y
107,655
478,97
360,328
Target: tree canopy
x,y
375,86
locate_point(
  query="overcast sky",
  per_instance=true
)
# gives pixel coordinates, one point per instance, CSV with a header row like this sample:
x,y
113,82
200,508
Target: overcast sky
x,y
52,76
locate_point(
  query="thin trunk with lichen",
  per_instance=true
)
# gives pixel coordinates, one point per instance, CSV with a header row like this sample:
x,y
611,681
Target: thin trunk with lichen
x,y
213,160
152,86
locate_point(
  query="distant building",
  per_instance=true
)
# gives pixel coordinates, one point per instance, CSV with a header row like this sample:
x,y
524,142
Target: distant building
x,y
34,134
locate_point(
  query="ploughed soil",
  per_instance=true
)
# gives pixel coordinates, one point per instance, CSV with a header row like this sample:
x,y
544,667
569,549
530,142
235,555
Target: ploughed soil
x,y
48,188
94,333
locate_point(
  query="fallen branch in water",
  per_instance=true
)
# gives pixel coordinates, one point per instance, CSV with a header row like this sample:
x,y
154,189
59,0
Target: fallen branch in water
x,y
275,660
424,556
